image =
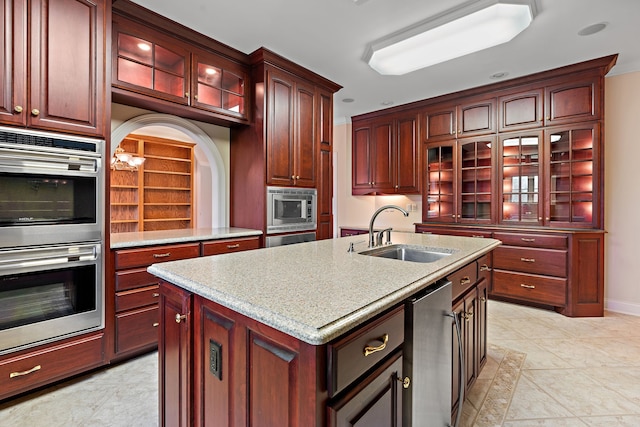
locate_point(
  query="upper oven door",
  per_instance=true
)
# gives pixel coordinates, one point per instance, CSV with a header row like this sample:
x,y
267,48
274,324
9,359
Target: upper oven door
x,y
49,195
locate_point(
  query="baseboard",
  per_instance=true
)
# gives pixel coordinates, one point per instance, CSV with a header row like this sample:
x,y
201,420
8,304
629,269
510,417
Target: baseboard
x,y
622,307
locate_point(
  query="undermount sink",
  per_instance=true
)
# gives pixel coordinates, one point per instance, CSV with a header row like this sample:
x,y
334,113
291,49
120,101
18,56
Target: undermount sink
x,y
413,253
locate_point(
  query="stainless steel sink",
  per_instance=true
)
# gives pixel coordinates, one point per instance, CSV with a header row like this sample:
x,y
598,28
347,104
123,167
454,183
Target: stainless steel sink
x,y
413,253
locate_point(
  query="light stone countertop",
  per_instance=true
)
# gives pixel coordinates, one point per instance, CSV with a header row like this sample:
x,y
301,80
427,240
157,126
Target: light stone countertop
x,y
316,291
148,238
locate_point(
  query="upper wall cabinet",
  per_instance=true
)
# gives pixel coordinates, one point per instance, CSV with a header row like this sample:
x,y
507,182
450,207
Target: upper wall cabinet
x,y
386,155
576,99
156,66
469,118
520,110
53,73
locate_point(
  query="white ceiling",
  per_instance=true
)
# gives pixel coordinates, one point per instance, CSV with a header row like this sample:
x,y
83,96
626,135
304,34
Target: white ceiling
x,y
330,36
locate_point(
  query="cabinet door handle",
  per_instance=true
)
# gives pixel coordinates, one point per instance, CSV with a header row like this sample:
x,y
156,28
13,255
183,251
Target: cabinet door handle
x,y
162,255
467,315
27,372
485,267
180,317
528,259
156,324
35,112
236,246
524,239
186,94
155,295
374,349
524,285
465,280
18,108
406,381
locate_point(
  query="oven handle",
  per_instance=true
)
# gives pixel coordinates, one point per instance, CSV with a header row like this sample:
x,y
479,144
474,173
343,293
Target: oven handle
x,y
39,257
30,161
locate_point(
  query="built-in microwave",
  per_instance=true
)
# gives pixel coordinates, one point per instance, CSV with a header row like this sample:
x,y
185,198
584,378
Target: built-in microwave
x,y
290,209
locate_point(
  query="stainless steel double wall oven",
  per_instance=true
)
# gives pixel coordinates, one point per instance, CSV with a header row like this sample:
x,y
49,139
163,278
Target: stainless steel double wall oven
x,y
51,234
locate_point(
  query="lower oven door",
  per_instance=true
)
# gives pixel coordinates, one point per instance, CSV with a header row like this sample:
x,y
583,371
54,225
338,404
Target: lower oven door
x,y
48,293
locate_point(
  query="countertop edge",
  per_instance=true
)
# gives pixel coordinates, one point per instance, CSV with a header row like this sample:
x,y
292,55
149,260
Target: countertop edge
x,y
147,238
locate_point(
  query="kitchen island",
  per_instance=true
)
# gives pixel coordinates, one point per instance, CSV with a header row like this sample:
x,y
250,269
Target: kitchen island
x,y
262,337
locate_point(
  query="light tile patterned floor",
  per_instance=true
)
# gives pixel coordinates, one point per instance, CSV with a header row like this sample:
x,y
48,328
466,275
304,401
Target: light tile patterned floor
x,y
543,370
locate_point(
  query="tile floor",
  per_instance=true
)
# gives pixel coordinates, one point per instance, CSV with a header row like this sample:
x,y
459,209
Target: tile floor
x,y
543,370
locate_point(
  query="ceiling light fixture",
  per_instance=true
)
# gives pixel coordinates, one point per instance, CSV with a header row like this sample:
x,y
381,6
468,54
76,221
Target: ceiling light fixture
x,y
468,28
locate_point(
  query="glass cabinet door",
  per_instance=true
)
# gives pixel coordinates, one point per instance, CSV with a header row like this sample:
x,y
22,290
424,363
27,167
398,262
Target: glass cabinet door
x,y
571,167
475,179
147,64
219,88
521,178
440,186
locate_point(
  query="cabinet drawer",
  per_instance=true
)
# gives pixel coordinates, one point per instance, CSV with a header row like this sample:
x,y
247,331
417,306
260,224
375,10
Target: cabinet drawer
x,y
50,364
532,240
229,246
351,356
549,262
136,329
454,231
130,258
463,279
136,298
137,278
546,290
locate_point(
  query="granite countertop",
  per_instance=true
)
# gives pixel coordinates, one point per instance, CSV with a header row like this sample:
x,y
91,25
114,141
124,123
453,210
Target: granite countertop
x,y
148,238
316,291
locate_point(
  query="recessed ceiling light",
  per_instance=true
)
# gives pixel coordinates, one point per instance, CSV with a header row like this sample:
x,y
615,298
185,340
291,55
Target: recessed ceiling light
x,y
499,75
473,26
592,29
347,100
387,102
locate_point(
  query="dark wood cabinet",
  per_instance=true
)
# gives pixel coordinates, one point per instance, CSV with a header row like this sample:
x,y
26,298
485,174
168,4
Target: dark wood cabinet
x,y
386,155
440,122
288,144
579,98
377,400
476,117
54,72
520,110
291,130
175,356
162,66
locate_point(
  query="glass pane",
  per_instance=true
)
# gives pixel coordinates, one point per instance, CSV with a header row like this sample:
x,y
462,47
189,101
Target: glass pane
x,y
134,73
233,102
440,176
169,83
209,74
135,49
169,61
521,179
209,95
232,83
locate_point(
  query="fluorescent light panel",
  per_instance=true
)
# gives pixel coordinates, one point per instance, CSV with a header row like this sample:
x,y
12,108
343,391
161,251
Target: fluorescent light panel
x,y
474,26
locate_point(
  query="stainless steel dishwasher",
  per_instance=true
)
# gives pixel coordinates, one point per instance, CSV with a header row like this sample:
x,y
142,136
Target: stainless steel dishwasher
x,y
427,357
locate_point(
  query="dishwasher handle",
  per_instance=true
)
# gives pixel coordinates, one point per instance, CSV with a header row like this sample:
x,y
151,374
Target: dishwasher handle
x,y
462,365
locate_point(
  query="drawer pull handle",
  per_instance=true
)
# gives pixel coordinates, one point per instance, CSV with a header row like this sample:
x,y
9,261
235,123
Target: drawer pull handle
x,y
524,239
156,324
465,280
27,372
477,235
485,267
524,285
155,295
373,349
162,255
406,382
528,259
236,246
180,317
467,315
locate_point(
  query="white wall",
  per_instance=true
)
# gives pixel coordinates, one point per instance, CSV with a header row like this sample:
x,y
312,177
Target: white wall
x,y
622,192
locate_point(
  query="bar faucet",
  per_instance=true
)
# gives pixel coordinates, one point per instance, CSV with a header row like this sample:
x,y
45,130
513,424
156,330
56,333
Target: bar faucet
x,y
372,242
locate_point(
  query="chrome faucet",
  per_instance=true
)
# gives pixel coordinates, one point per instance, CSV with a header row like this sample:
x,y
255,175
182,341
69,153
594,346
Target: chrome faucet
x,y
372,240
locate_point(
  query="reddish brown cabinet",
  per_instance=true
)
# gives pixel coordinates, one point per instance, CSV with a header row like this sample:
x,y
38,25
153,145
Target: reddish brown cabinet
x,y
159,65
57,83
386,155
324,177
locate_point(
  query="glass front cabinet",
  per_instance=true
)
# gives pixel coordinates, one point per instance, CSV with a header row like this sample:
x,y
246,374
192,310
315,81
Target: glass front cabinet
x,y
459,178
